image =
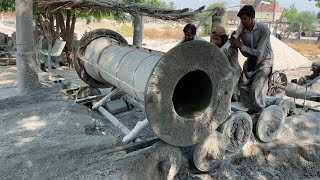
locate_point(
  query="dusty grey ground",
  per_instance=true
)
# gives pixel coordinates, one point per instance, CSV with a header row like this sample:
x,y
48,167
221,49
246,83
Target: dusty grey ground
x,y
43,137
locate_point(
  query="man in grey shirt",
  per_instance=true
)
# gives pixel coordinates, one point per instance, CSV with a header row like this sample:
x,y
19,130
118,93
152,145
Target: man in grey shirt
x,y
255,45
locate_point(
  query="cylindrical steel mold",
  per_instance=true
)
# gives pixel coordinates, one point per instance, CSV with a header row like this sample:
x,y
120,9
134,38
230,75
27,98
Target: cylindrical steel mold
x,y
186,91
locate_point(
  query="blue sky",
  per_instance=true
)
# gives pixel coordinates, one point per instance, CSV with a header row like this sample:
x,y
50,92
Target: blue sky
x,y
301,5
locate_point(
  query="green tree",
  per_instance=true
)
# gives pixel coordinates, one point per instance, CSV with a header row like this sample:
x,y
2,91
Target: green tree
x,y
65,19
7,5
318,15
206,26
302,21
317,2
290,13
306,19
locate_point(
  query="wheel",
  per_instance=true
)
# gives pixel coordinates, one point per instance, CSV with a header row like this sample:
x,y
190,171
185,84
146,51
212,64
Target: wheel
x,y
237,130
277,84
270,123
209,153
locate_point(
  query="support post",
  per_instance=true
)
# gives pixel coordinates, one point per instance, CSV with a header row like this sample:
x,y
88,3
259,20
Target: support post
x,y
216,20
26,56
137,30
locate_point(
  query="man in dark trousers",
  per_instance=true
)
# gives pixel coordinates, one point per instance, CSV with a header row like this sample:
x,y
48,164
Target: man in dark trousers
x,y
255,45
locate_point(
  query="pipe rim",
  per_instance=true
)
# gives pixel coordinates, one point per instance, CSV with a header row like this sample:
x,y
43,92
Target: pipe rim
x,y
83,43
163,118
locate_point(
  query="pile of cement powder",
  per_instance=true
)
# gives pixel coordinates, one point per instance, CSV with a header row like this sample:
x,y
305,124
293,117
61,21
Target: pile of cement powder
x,y
284,56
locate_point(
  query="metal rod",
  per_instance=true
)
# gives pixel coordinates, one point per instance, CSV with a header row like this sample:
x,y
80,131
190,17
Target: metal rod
x,y
124,129
106,98
141,125
312,81
305,96
90,99
114,120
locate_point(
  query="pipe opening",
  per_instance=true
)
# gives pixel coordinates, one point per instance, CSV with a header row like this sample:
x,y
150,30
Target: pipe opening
x,y
192,94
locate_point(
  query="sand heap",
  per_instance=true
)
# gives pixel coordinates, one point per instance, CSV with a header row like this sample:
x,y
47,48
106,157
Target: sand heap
x,y
284,56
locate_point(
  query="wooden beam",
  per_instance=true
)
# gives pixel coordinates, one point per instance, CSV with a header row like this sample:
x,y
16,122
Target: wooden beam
x,y
132,8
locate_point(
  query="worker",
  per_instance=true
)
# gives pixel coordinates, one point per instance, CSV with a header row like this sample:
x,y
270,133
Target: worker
x,y
190,33
219,38
254,43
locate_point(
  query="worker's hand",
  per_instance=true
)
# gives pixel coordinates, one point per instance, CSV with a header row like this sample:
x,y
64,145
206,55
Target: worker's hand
x,y
236,43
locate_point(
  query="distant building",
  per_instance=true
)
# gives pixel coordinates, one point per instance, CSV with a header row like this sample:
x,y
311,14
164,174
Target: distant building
x,y
232,18
266,11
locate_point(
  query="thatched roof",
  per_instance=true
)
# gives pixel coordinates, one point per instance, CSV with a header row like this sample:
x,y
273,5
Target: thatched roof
x,y
122,6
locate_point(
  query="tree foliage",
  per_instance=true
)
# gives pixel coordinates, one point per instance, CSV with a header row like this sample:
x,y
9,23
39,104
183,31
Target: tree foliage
x,y
299,21
317,2
290,13
306,20
302,21
62,21
7,5
206,26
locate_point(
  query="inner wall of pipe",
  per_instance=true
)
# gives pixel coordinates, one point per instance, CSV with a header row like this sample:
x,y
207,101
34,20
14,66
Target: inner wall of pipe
x,y
192,94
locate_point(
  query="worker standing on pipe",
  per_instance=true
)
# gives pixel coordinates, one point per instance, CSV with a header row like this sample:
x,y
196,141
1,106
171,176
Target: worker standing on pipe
x,y
190,33
219,38
255,45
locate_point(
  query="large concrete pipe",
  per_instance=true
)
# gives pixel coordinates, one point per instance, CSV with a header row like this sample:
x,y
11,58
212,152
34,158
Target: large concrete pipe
x,y
300,92
186,92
